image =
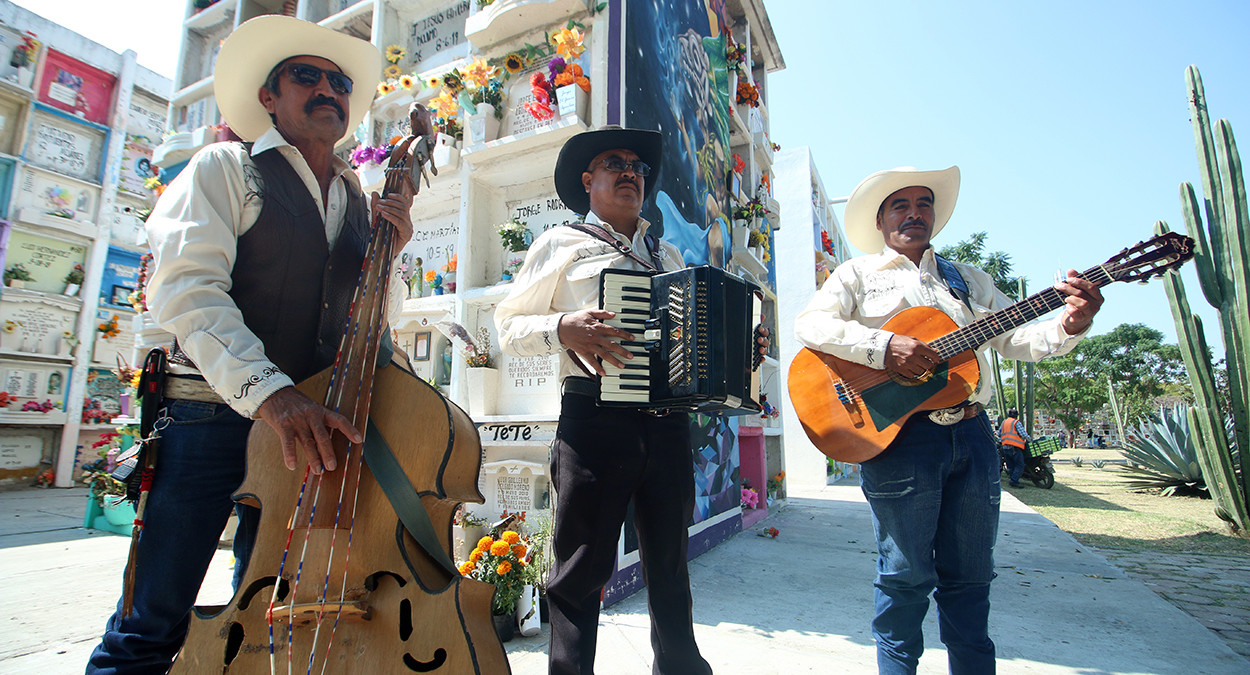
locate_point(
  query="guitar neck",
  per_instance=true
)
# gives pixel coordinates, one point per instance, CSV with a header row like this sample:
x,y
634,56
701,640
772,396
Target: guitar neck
x,y
1006,320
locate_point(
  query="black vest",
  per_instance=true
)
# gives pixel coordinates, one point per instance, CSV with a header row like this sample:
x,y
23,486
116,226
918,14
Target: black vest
x,y
294,292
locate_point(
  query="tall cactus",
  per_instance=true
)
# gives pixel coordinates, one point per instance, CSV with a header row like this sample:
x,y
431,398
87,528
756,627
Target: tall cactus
x,y
1114,400
1223,265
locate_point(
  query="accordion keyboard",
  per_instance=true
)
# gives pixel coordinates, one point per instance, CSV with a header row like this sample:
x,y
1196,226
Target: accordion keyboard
x,y
630,297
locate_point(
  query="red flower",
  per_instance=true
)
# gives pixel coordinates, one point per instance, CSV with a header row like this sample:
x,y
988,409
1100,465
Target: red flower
x,y
540,111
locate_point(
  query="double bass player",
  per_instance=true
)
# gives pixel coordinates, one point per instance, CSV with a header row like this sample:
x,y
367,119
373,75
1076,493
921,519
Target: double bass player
x,y
257,246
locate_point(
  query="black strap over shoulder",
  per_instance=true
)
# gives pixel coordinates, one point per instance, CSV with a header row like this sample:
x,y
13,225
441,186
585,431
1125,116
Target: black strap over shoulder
x,y
954,280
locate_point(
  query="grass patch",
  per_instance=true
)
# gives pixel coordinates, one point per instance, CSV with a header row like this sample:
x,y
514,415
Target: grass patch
x,y
1094,506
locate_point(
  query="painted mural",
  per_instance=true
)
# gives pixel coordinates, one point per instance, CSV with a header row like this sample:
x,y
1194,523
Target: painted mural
x,y
676,82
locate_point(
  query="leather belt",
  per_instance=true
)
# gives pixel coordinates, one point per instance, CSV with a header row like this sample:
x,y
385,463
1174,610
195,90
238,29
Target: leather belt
x,y
190,388
959,413
582,386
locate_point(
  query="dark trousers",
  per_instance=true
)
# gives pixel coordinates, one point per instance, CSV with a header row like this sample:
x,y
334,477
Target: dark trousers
x,y
603,458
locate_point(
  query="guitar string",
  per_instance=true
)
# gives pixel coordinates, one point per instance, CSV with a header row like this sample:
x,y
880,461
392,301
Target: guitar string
x,y
986,328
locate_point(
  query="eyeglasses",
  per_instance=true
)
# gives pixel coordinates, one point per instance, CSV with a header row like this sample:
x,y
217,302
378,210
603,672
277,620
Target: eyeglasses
x,y
309,76
618,165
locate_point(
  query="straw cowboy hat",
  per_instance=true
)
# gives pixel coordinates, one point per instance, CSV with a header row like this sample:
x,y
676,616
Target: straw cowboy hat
x,y
253,49
860,217
579,150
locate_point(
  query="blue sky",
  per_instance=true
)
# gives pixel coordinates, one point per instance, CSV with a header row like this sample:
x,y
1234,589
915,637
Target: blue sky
x,y
1068,119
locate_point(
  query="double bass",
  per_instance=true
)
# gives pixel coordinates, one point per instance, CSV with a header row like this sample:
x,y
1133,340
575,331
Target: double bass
x,y
352,569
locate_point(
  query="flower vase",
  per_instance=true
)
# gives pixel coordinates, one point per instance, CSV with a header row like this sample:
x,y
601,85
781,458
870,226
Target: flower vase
x,y
446,154
17,283
483,391
527,612
505,626
72,289
438,290
741,234
466,540
482,126
370,175
449,282
25,76
571,100
505,277
117,510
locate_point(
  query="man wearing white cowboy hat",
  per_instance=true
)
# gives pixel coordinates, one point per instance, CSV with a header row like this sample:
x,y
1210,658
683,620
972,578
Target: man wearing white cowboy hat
x,y
604,457
934,492
257,249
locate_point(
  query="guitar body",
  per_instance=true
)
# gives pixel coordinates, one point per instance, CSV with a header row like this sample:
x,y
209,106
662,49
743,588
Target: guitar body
x,y
404,612
852,412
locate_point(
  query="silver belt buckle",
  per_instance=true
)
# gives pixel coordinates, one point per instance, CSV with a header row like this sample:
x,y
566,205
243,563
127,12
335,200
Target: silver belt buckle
x,y
947,416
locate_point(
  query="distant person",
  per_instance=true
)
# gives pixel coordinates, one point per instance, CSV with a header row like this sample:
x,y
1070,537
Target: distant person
x,y
934,492
1014,439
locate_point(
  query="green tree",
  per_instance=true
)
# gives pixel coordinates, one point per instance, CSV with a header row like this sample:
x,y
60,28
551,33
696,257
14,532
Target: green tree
x,y
971,251
1140,365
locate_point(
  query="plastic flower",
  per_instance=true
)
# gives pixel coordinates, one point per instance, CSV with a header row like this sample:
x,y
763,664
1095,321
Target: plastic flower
x,y
478,73
540,111
407,82
385,88
453,82
392,71
394,53
500,548
445,105
513,63
568,42
541,89
739,165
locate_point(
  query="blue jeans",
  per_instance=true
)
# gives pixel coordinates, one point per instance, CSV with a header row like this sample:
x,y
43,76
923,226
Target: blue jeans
x,y
934,496
1015,462
199,464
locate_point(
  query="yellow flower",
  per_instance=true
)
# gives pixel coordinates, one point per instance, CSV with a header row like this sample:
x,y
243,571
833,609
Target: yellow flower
x,y
433,83
484,543
510,537
394,53
504,568
466,568
407,82
514,62
385,88
478,72
519,551
445,105
569,43
500,548
393,71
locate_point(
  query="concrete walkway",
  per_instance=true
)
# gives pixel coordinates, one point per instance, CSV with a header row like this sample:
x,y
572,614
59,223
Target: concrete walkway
x,y
799,603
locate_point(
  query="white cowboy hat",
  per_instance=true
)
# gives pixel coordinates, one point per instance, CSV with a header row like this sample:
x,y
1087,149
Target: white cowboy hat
x,y
253,49
860,217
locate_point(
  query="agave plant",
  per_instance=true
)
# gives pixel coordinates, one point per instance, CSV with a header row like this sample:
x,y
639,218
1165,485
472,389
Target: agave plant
x,y
1164,455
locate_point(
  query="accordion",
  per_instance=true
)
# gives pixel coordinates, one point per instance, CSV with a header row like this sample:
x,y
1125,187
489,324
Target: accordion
x,y
697,342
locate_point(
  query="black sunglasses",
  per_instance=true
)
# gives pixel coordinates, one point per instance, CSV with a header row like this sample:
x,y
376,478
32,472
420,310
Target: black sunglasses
x,y
618,165
309,76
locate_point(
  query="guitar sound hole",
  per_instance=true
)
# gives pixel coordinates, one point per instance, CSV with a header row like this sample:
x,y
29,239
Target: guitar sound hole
x,y
440,657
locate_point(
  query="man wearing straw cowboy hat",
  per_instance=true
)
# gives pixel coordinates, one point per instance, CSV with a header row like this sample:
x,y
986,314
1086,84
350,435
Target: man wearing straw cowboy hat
x,y
934,492
257,250
604,457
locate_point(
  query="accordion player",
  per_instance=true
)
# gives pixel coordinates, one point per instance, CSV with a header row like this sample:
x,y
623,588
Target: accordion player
x,y
696,351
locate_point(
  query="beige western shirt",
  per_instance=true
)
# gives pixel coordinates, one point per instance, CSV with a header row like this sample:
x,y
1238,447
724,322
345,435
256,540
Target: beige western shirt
x,y
845,316
193,230
561,275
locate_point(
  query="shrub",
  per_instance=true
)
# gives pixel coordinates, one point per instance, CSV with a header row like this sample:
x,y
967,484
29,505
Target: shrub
x,y
1164,455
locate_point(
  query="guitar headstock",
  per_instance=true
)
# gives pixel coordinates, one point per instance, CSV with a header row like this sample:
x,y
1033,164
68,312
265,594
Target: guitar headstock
x,y
1151,258
410,155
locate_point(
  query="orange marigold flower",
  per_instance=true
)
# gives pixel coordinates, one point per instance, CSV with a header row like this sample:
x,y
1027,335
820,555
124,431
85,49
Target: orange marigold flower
x,y
510,536
563,78
500,548
476,555
504,568
584,83
519,551
466,568
484,543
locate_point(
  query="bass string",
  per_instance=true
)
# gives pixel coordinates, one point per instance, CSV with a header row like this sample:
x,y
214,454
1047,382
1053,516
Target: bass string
x,y
335,396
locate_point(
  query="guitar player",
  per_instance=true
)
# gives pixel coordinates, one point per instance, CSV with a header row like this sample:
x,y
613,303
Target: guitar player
x,y
934,492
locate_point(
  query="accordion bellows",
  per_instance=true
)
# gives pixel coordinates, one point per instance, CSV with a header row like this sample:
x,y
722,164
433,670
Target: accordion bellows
x,y
695,351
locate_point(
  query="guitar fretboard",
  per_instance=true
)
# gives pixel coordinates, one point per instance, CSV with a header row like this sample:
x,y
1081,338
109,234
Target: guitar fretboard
x,y
1033,307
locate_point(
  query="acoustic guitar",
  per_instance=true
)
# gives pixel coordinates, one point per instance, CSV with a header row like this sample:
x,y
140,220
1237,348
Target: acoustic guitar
x,y
852,412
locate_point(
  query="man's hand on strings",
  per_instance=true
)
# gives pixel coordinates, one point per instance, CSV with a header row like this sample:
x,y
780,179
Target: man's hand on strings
x,y
910,357
300,420
396,209
1084,300
585,333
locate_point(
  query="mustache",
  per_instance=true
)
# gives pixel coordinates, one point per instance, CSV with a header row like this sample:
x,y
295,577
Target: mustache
x,y
913,221
627,181
325,100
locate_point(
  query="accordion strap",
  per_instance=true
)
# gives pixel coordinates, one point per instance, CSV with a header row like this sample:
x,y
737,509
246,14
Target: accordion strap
x,y
653,246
